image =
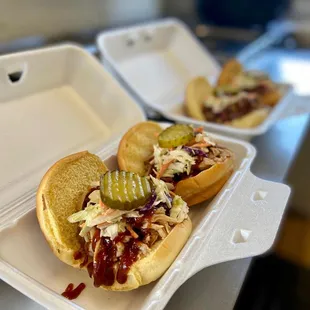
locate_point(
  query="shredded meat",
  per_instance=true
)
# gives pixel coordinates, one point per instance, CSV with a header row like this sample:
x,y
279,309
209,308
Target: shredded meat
x,y
233,111
216,152
206,163
151,238
261,89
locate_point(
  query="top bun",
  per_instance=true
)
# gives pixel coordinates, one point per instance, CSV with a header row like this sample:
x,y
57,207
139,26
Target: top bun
x,y
60,194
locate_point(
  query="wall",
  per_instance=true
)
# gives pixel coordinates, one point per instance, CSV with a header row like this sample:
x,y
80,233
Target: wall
x,y
20,18
301,10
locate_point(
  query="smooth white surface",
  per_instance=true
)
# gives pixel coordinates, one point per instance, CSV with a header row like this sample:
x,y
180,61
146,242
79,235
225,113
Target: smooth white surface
x,y
214,288
158,60
56,18
43,117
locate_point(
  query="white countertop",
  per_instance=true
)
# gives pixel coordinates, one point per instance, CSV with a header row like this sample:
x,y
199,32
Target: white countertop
x,y
216,287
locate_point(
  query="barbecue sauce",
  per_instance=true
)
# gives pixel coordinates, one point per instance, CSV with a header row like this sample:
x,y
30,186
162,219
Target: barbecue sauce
x,y
78,255
103,272
129,256
73,293
103,267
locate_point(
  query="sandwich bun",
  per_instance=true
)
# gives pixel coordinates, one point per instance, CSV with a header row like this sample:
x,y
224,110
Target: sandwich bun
x,y
206,184
250,120
229,71
61,193
193,190
271,98
136,147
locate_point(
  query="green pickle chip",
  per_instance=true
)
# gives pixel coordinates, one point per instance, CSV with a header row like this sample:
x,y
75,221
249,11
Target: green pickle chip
x,y
176,135
124,190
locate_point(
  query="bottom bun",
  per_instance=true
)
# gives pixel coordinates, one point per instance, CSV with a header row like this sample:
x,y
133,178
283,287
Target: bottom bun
x,y
61,193
206,184
154,264
250,120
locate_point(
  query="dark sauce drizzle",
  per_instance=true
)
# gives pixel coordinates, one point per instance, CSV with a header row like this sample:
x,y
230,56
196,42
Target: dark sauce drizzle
x,y
73,293
102,269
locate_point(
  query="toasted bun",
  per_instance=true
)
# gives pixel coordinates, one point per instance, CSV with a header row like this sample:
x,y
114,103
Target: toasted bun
x,y
155,263
136,147
271,98
229,71
206,184
61,193
251,119
197,91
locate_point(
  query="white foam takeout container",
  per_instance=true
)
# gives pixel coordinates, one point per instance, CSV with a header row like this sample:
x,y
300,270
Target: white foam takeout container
x,y
64,102
157,60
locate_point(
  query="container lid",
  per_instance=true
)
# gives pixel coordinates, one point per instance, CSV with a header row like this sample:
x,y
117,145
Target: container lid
x,y
53,102
157,60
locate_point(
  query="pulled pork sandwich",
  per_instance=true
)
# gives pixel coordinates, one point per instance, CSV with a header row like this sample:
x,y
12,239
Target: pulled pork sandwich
x,y
191,163
126,230
241,98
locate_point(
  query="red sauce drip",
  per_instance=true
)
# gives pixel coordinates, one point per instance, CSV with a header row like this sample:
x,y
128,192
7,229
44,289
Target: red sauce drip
x,y
121,236
103,264
130,256
102,269
72,293
77,255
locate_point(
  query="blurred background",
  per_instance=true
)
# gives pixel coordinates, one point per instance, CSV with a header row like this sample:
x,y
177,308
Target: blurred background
x,y
270,35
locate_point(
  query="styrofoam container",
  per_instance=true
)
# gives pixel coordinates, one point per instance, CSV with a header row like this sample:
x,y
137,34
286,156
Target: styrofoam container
x,y
157,60
65,102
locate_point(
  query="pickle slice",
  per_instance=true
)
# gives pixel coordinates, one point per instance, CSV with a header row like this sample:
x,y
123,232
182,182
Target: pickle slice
x,y
124,190
176,135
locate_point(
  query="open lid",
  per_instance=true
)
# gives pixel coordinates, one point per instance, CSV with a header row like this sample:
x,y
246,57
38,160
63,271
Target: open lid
x,y
53,102
157,60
